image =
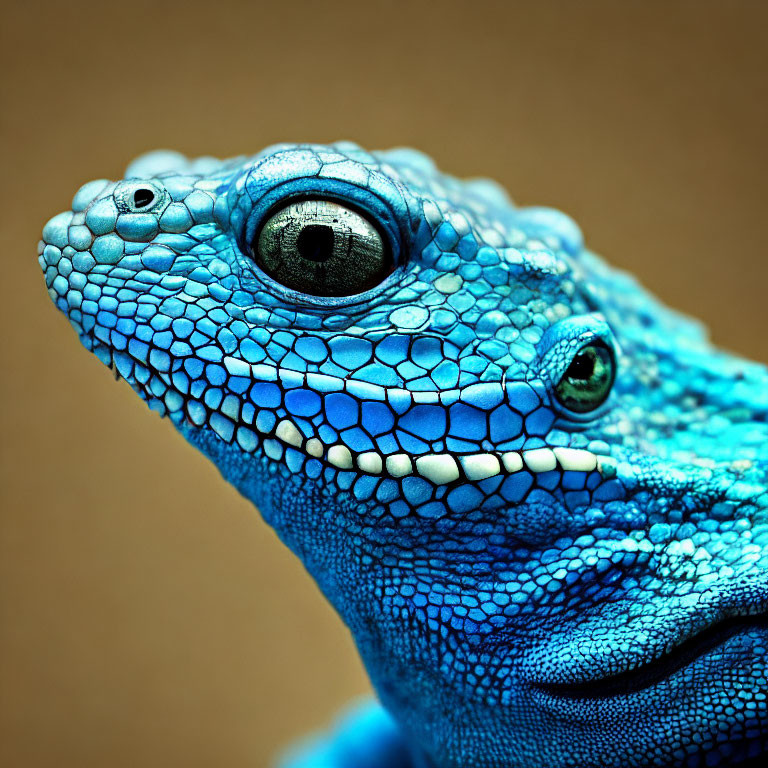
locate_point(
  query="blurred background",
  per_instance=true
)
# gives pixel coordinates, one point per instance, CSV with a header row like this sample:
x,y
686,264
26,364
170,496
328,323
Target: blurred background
x,y
148,616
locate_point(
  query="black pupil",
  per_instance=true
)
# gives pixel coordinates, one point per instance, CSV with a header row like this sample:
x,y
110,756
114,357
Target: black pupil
x,y
143,197
315,242
582,367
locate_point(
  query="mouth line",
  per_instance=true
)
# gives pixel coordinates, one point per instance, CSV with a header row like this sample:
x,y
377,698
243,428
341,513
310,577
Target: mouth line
x,y
656,671
445,468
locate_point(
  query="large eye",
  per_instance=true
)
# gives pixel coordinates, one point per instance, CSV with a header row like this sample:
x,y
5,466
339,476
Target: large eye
x,y
589,378
322,248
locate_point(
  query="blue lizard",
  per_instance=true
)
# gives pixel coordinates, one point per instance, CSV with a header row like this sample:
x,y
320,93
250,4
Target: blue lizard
x,y
536,496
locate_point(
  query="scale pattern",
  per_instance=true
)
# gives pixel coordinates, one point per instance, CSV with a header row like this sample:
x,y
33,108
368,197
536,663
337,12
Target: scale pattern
x,y
527,586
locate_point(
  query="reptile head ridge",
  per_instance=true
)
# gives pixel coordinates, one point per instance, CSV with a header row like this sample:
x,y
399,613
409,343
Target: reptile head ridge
x,y
537,496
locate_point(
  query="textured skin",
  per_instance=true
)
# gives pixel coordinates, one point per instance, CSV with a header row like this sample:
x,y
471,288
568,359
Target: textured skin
x,y
514,606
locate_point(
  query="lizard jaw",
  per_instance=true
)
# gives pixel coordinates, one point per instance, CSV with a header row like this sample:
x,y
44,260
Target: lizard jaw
x,y
275,437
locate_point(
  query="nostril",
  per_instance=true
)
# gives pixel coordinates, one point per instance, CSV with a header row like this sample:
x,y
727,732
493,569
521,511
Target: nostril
x,y
140,197
143,197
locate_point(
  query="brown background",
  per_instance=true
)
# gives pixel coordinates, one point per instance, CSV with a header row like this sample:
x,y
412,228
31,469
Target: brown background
x,y
149,618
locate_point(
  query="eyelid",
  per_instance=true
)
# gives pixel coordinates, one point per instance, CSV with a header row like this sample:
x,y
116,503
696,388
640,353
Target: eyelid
x,y
561,342
249,215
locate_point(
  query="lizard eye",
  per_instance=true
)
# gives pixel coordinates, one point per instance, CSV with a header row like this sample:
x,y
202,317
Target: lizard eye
x,y
322,248
588,380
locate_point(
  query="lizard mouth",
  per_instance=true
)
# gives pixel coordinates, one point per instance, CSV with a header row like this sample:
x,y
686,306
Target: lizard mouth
x,y
663,667
255,429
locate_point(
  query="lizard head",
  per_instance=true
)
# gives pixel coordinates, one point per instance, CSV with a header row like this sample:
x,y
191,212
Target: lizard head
x,y
536,496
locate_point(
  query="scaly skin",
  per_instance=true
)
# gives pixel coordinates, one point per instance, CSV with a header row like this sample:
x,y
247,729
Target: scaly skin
x,y
527,585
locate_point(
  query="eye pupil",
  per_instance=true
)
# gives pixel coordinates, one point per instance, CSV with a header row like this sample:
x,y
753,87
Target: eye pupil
x,y
315,242
582,367
143,197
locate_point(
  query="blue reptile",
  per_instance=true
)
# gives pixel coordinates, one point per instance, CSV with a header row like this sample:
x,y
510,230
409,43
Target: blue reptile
x,y
536,496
